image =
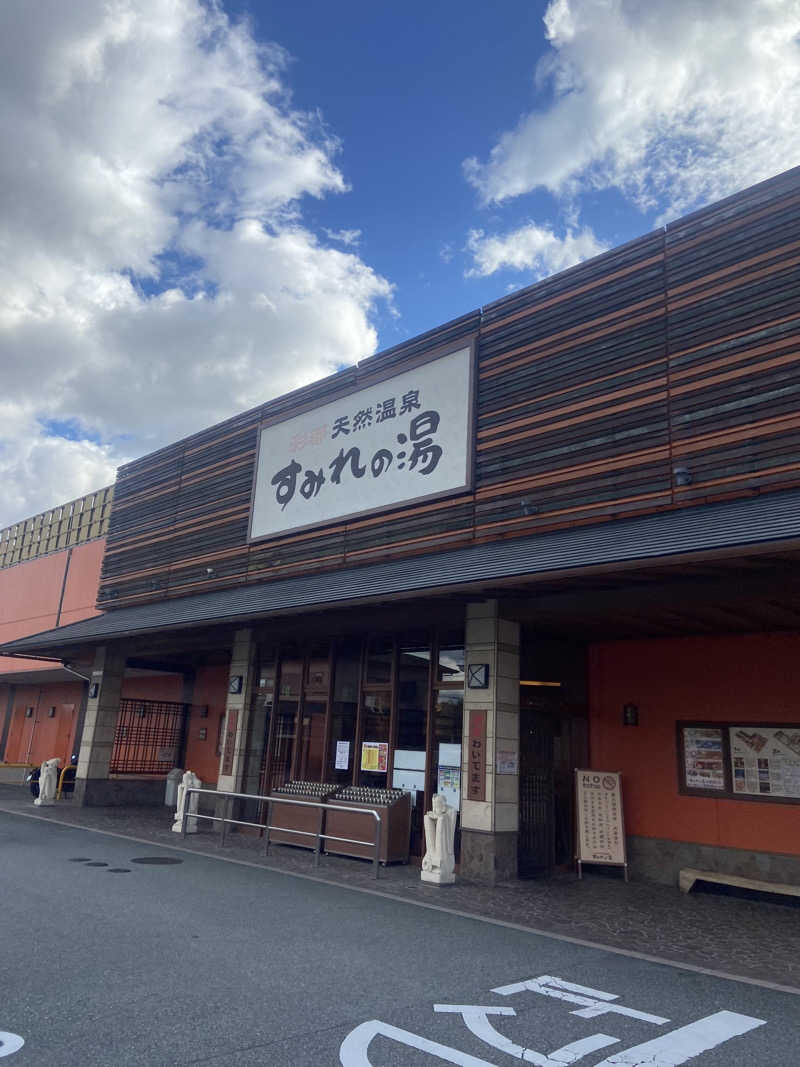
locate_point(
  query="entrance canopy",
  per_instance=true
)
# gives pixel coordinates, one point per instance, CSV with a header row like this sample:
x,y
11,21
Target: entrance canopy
x,y
761,524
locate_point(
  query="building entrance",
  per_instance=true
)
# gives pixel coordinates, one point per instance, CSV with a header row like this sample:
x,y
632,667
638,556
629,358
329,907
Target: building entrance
x,y
378,711
553,742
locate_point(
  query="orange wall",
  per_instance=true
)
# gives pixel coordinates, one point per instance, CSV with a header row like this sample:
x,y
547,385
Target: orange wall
x,y
751,678
30,594
41,737
210,690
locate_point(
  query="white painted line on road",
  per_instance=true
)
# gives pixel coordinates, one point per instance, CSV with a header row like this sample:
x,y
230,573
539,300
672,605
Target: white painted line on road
x,y
353,1051
760,983
476,1018
10,1043
684,1044
594,1002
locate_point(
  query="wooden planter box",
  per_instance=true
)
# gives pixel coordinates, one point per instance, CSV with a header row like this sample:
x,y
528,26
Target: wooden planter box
x,y
293,817
395,829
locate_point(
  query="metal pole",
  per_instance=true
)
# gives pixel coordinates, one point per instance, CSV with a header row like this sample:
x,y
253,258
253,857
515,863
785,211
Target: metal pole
x,y
269,823
184,819
376,859
319,836
226,813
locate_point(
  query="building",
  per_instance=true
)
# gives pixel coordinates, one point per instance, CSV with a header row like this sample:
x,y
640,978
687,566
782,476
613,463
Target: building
x,y
559,533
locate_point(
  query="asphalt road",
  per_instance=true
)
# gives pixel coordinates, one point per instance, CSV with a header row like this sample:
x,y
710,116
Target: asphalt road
x,y
208,962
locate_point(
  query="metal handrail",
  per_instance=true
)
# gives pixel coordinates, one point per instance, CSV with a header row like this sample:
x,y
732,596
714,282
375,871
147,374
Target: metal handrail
x,y
319,836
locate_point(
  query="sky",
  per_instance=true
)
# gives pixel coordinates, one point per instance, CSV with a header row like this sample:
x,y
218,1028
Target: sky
x,y
206,204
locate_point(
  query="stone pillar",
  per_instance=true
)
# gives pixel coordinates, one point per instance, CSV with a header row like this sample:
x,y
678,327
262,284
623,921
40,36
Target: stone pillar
x,y
99,727
489,827
237,707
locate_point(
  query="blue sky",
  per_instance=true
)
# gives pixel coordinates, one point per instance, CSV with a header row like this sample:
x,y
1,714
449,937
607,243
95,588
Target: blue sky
x,y
206,204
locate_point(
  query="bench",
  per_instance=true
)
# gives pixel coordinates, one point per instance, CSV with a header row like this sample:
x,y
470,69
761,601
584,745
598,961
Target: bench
x,y
688,876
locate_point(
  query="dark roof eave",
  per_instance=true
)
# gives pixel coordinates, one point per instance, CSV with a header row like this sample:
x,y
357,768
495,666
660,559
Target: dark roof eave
x,y
752,521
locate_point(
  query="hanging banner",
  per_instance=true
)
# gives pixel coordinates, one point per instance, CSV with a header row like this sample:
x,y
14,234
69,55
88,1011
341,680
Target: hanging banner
x,y
600,823
406,438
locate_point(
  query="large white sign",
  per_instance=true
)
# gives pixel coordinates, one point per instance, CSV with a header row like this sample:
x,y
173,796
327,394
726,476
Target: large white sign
x,y
407,437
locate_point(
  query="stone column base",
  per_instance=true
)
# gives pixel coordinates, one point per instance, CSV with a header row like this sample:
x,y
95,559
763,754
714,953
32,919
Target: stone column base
x,y
118,792
488,858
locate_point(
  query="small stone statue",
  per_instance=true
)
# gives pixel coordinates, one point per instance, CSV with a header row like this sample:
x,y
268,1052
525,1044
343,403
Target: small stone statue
x,y
189,781
48,782
439,862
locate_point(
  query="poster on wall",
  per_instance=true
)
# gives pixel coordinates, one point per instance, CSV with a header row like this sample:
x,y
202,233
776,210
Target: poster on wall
x,y
766,760
704,758
448,783
601,827
342,755
404,439
375,756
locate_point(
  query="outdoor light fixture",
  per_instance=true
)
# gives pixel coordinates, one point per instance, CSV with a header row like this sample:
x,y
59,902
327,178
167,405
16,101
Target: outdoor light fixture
x,y
630,715
682,475
210,572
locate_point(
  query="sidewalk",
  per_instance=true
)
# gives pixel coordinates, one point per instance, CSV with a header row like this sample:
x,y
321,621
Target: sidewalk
x,y
750,939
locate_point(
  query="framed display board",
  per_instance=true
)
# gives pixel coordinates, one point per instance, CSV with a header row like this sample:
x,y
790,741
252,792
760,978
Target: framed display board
x,y
600,836
741,761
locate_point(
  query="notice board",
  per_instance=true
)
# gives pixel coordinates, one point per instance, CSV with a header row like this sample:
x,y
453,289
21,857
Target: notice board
x,y
600,836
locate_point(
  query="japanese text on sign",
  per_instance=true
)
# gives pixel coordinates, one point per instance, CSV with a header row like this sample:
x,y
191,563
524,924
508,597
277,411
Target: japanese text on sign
x,y
476,756
405,438
601,836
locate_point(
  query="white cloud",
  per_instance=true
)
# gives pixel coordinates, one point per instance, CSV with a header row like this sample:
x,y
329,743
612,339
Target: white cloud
x,y
349,238
156,273
673,102
530,248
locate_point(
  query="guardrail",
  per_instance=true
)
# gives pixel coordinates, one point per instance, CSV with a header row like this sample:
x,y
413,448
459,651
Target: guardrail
x,y
319,836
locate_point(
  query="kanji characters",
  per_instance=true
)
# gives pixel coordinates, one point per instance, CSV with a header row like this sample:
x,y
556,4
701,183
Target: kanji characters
x,y
340,425
362,419
384,410
410,401
423,450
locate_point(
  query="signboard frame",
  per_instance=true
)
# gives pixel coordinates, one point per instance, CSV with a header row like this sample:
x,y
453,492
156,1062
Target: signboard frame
x,y
580,860
369,381
725,726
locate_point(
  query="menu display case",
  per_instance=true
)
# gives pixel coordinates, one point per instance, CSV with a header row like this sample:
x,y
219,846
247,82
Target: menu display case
x,y
292,818
394,807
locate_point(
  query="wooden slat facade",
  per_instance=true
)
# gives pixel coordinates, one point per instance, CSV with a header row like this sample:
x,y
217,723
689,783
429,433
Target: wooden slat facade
x,y
680,350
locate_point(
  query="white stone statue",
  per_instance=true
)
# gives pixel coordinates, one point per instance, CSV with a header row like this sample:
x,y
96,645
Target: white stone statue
x,y
48,782
439,861
189,781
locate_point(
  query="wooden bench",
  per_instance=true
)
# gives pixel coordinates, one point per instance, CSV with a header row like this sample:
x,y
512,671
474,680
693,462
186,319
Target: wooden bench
x,y
688,876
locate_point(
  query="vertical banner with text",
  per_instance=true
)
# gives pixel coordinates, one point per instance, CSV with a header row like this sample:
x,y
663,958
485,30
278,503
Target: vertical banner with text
x,y
476,755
